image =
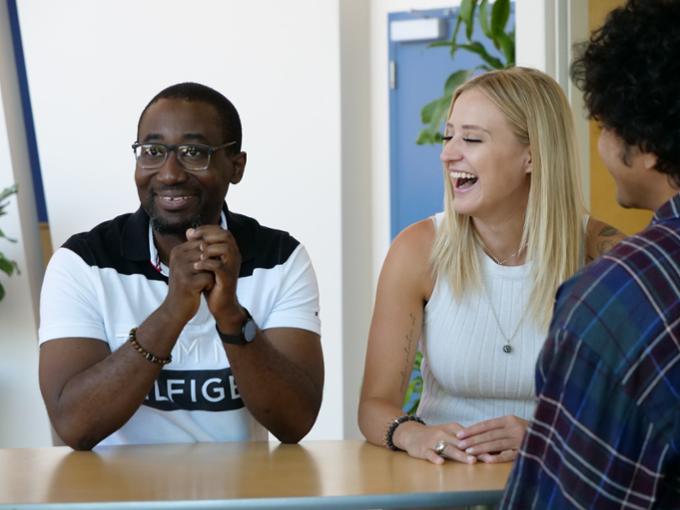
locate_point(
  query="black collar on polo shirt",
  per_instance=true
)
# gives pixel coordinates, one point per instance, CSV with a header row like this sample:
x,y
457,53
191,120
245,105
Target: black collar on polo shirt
x,y
135,235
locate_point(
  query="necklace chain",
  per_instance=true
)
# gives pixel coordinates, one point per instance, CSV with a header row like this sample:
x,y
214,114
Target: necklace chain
x,y
507,347
500,262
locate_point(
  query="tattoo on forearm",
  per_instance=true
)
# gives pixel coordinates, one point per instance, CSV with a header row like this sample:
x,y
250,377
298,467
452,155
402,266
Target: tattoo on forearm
x,y
407,348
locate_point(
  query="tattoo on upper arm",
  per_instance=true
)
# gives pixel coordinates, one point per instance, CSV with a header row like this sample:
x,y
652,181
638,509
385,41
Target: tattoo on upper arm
x,y
604,245
407,349
604,241
608,231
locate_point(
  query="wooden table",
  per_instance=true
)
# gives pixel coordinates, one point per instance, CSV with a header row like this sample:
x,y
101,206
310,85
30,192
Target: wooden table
x,y
313,474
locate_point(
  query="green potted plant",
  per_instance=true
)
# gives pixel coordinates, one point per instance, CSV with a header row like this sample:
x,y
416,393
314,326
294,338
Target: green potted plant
x,y
7,266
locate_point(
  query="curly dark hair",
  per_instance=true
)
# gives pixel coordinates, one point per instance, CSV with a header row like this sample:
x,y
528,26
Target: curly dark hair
x,y
629,72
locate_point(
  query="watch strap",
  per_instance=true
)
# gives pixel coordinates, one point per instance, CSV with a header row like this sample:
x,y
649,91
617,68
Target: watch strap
x,y
242,337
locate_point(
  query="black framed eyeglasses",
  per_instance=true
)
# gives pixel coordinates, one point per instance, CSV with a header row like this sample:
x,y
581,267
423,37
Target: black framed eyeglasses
x,y
194,157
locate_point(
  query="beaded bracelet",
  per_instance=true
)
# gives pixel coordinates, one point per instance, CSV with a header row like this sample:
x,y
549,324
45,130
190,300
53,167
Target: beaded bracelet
x,y
147,355
393,427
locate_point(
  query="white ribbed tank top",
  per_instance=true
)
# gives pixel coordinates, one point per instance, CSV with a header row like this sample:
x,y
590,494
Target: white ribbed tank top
x,y
467,377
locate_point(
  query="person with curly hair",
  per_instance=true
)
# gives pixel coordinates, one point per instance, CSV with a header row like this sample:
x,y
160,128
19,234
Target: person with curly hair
x,y
606,430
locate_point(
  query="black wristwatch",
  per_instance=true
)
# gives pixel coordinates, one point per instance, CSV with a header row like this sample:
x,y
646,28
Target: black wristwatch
x,y
246,335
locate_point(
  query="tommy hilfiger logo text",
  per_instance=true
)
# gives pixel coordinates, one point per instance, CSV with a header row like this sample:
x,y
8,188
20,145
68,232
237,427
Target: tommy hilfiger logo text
x,y
204,390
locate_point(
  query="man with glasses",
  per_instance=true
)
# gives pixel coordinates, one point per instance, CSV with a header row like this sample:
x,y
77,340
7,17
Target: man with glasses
x,y
183,321
606,430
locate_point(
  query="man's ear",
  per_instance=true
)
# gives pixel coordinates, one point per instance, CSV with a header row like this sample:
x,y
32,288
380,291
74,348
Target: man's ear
x,y
649,160
239,163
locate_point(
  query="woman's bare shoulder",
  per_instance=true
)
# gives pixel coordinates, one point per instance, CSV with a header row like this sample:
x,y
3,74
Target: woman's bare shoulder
x,y
415,241
419,233
409,255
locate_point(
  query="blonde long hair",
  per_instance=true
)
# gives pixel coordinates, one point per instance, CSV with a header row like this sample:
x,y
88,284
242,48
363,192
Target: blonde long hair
x,y
553,232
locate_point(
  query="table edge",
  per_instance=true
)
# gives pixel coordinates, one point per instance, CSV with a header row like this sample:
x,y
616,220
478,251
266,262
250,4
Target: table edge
x,y
327,502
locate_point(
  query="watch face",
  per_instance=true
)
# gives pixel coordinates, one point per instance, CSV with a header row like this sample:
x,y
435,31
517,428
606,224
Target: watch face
x,y
249,330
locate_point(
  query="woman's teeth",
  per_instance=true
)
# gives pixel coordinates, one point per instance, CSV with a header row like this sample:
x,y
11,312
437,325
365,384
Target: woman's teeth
x,y
463,179
462,175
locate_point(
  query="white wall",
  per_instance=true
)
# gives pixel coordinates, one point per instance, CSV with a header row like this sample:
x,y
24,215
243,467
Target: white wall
x,y
23,421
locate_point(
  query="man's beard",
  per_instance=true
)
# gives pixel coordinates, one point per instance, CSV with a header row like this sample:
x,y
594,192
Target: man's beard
x,y
164,227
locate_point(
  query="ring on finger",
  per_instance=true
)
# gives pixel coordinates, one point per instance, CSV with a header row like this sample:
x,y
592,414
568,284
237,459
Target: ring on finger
x,y
440,447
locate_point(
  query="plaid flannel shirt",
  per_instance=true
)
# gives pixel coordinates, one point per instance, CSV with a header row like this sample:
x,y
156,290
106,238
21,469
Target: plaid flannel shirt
x,y
606,430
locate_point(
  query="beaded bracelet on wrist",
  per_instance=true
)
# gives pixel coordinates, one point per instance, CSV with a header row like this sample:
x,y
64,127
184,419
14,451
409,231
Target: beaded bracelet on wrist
x,y
132,338
389,435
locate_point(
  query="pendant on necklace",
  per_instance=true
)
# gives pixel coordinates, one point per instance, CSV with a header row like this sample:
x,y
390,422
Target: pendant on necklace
x,y
507,348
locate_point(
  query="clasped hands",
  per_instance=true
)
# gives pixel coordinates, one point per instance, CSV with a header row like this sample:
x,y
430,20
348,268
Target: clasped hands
x,y
491,441
207,263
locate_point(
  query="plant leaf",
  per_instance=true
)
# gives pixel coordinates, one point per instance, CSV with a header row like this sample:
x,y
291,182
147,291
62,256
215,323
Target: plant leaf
x,y
4,236
439,44
484,18
466,10
2,292
8,192
428,137
470,26
424,137
454,37
500,13
7,266
455,80
466,13
507,44
479,49
3,195
441,109
427,111
434,114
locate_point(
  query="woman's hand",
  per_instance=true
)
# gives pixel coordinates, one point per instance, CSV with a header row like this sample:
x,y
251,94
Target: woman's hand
x,y
495,440
420,441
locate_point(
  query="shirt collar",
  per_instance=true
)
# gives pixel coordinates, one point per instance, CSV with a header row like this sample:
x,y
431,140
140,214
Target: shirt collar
x,y
137,241
668,211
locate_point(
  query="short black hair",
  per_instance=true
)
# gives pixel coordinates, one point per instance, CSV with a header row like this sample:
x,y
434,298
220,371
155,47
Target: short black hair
x,y
629,72
189,91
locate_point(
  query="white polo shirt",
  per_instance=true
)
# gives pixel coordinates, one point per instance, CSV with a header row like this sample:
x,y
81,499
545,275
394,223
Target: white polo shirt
x,y
104,282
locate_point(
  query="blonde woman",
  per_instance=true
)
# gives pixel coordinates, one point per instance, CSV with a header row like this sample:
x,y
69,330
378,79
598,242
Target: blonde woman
x,y
475,284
